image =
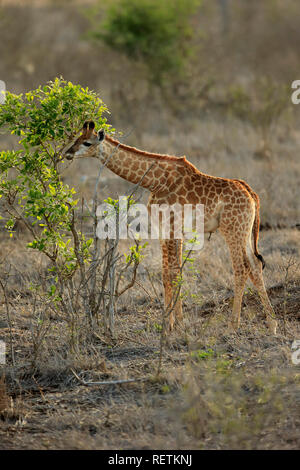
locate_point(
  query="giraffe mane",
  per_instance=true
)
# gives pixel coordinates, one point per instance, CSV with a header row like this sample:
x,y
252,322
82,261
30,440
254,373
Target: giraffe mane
x,y
144,153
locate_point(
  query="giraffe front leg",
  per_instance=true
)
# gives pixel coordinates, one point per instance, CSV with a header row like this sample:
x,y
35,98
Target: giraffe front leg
x,y
167,286
175,259
169,311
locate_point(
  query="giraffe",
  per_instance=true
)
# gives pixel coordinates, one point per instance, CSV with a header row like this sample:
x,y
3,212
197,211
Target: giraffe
x,y
230,206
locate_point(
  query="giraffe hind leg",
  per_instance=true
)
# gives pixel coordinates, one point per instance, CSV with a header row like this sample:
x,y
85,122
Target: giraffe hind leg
x,y
241,270
241,274
258,282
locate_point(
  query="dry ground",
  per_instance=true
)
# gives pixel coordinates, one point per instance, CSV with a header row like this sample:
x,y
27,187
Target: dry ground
x,y
217,389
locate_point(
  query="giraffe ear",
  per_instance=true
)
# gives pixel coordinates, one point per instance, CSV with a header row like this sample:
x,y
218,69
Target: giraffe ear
x,y
85,125
91,125
101,135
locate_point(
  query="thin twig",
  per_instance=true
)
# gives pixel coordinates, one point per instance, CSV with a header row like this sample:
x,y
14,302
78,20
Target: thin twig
x,y
3,286
108,382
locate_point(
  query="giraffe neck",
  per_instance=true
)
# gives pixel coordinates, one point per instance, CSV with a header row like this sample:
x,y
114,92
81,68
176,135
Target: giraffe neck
x,y
150,170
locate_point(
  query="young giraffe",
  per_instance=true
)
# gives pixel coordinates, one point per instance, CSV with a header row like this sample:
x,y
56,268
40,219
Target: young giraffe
x,y
230,205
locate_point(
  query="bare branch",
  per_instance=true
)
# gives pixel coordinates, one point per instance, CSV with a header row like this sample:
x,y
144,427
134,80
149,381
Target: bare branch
x,y
107,382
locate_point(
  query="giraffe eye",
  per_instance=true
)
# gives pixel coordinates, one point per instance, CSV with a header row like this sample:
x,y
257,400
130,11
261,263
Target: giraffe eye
x,y
87,144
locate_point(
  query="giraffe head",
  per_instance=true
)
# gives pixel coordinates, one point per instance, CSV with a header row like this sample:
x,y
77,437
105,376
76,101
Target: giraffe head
x,y
87,143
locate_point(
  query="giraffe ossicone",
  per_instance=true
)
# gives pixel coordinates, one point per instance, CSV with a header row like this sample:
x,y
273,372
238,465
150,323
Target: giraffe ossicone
x,y
230,205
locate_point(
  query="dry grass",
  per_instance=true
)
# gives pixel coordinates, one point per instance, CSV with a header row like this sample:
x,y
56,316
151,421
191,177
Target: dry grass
x,y
239,378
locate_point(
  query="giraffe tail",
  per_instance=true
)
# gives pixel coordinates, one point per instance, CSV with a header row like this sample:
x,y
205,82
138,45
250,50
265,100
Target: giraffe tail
x,y
255,228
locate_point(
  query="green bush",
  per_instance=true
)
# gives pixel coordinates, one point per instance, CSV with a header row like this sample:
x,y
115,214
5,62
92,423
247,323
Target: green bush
x,y
32,190
46,120
157,33
82,279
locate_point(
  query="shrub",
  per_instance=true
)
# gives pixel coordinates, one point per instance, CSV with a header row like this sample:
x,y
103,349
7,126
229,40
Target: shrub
x,y
157,33
32,191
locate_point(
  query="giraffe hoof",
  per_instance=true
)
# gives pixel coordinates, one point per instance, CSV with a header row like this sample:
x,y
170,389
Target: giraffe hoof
x,y
234,325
